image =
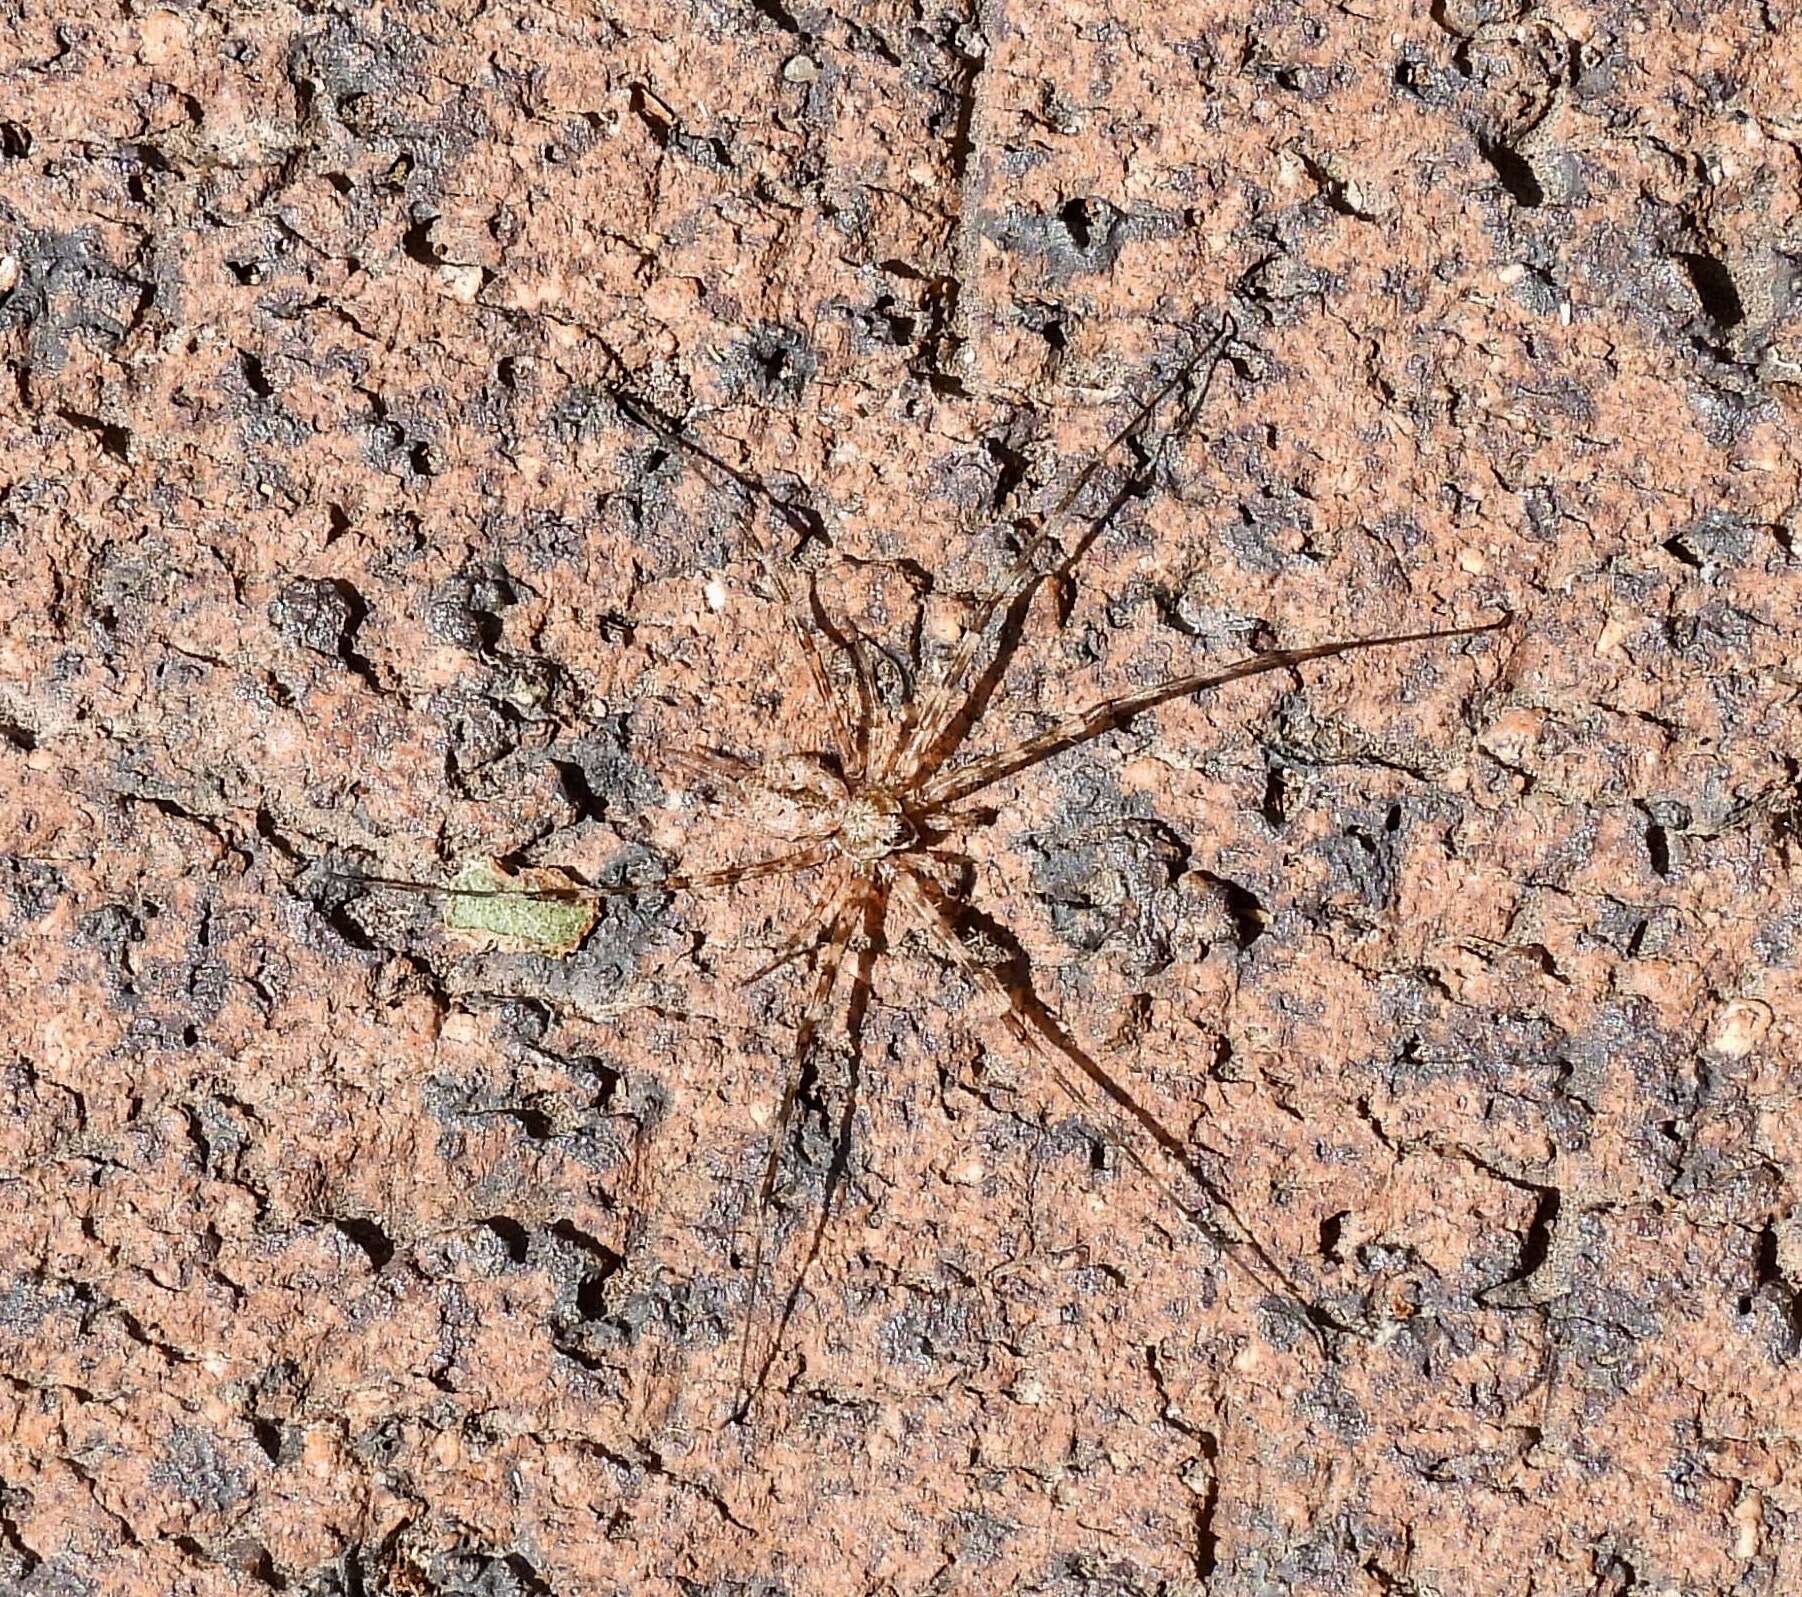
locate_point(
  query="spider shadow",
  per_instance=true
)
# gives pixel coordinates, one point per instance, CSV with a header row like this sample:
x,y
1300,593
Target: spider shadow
x,y
1231,1241
802,518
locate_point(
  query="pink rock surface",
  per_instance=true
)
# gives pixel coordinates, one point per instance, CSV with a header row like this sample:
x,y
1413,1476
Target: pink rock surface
x,y
338,1258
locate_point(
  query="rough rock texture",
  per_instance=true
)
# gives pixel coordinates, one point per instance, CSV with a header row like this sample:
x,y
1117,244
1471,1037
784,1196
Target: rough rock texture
x,y
339,1257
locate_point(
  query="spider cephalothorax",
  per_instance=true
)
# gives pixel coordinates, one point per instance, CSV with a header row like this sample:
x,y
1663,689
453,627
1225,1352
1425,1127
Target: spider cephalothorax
x,y
874,824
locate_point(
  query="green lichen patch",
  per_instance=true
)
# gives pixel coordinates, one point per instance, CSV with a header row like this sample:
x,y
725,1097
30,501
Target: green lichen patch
x,y
523,912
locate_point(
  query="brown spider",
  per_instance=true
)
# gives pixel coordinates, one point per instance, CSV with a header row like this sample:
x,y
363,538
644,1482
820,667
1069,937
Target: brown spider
x,y
872,814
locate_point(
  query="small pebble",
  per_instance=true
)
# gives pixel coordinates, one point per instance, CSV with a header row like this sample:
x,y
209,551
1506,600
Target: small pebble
x,y
461,282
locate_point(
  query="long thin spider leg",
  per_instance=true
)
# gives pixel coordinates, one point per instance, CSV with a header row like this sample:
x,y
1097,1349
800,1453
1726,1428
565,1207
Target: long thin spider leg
x,y
1034,1030
934,748
795,860
816,926
1214,353
900,737
927,749
850,640
959,782
1024,575
944,827
844,911
944,727
874,905
707,762
1210,352
648,416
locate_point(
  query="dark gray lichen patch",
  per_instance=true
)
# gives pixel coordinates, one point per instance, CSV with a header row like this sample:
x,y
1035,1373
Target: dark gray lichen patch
x,y
200,1468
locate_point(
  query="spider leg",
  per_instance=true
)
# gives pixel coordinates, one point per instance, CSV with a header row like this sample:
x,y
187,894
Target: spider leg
x,y
1127,1118
872,911
708,763
925,750
816,926
846,905
900,736
959,782
795,860
941,828
1211,352
937,728
851,642
637,410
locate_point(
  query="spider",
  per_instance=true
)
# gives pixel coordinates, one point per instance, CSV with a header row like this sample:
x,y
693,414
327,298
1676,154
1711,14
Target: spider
x,y
878,811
